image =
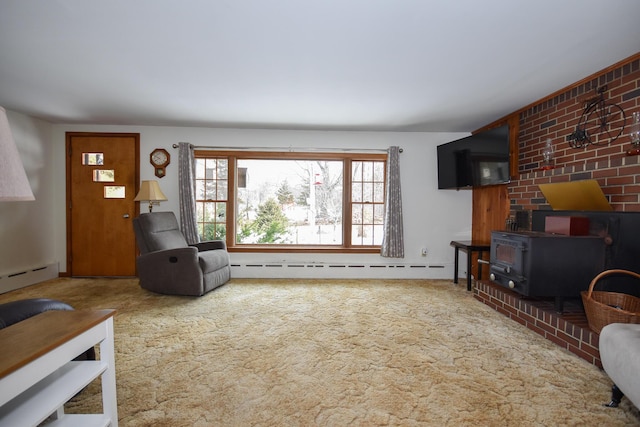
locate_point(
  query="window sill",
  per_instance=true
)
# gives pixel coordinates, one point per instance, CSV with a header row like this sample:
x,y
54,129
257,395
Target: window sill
x,y
303,249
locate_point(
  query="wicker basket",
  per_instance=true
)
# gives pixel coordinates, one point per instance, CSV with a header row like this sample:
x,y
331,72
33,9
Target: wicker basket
x,y
603,308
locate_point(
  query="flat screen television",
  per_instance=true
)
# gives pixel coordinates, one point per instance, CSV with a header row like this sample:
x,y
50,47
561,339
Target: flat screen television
x,y
475,161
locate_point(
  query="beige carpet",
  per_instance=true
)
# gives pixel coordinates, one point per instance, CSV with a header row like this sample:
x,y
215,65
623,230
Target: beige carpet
x,y
333,353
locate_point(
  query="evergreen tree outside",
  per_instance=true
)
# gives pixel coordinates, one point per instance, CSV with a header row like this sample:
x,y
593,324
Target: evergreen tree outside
x,y
291,201
271,223
284,194
214,232
243,223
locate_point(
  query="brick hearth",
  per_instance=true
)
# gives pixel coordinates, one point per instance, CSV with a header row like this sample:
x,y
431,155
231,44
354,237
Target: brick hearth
x,y
568,329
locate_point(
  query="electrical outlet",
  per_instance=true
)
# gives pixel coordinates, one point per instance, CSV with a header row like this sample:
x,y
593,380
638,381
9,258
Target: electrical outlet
x,y
424,252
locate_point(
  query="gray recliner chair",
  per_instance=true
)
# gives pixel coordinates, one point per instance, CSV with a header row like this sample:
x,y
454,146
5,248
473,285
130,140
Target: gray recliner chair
x,y
168,265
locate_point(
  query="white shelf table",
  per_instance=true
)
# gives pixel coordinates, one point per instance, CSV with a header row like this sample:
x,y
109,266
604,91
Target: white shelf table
x,y
38,374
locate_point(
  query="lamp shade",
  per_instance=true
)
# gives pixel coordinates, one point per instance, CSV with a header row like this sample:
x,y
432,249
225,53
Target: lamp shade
x,y
14,185
150,192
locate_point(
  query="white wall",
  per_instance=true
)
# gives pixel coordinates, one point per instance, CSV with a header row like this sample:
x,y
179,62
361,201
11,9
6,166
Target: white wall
x,y
28,235
432,217
33,234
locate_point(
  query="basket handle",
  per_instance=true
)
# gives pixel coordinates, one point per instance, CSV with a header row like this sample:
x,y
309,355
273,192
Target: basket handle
x,y
607,273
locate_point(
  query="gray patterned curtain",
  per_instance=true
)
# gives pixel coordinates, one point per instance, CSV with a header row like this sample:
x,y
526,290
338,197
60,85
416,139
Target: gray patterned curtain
x,y
187,186
393,234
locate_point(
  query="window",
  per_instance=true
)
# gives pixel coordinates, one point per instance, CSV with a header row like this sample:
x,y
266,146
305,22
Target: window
x,y
367,202
212,194
291,201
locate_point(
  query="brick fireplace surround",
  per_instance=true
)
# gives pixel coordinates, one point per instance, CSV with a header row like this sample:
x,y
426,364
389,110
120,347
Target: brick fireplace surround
x,y
555,118
569,329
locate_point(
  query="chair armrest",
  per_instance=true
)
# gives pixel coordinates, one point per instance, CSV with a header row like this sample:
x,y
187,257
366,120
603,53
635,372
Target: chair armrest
x,y
171,271
171,256
210,245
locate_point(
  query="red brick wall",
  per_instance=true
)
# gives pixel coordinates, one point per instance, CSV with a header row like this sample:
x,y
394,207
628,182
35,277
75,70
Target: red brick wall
x,y
570,330
556,118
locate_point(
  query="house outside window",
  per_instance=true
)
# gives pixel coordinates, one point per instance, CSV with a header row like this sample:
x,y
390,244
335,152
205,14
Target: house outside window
x,y
267,201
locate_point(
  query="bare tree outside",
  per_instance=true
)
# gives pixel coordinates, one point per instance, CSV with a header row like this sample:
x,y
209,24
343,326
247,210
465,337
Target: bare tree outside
x,y
308,193
290,201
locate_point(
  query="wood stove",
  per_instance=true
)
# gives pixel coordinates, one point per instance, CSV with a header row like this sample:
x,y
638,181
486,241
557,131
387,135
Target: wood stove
x,y
538,264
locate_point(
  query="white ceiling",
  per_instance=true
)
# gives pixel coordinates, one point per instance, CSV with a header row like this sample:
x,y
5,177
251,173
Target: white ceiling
x,y
395,65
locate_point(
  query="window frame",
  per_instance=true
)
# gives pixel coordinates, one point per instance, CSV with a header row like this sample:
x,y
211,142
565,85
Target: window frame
x,y
346,157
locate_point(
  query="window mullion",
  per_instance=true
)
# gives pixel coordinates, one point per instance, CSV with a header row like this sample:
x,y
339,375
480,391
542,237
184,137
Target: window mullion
x,y
231,201
346,204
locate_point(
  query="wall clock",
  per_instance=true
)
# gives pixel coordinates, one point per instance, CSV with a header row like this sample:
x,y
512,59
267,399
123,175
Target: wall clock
x,y
160,158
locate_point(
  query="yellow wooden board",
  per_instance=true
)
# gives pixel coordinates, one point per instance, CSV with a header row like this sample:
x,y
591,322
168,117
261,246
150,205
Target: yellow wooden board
x,y
576,196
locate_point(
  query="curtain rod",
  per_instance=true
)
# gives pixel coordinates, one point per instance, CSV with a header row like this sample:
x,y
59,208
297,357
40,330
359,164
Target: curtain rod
x,y
290,149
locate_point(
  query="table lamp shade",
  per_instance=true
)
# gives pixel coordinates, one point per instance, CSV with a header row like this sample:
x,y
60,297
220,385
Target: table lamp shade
x,y
150,192
14,185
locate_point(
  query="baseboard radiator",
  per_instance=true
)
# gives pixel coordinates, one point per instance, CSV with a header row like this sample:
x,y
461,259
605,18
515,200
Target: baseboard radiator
x,y
21,279
335,270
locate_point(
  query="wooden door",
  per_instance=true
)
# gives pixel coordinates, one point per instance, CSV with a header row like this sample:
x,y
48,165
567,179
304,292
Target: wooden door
x,y
102,181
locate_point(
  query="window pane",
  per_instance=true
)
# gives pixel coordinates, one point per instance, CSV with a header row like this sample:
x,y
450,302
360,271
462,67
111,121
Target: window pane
x,y
214,231
356,235
367,235
367,172
290,202
378,214
199,212
210,172
378,172
356,214
104,175
93,159
378,192
221,212
356,168
199,189
211,193
221,190
367,192
377,234
356,192
367,214
200,163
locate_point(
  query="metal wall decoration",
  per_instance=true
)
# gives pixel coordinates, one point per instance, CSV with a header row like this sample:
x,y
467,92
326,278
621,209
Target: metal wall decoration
x,y
601,122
